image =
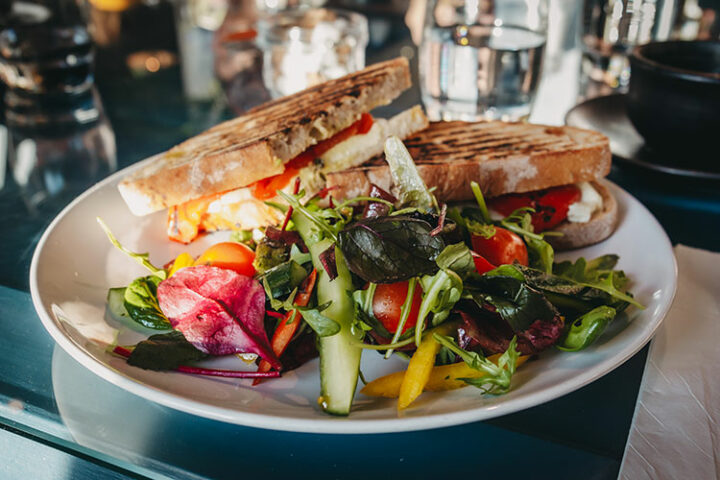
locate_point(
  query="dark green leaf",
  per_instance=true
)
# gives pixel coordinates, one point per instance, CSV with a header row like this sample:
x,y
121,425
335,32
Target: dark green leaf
x,y
390,249
540,253
517,303
142,304
592,281
164,351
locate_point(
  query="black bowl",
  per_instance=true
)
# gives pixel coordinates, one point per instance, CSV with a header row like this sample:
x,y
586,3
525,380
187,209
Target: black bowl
x,y
674,95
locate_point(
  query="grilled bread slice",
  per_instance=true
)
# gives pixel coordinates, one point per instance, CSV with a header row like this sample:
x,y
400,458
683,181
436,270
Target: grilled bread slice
x,y
501,157
239,209
256,145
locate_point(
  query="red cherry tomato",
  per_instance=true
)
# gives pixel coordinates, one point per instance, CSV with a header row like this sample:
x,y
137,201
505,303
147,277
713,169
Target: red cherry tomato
x,y
482,265
388,301
551,205
502,248
230,255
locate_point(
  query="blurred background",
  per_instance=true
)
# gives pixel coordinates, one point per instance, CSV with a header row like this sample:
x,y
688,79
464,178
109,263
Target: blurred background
x,y
91,85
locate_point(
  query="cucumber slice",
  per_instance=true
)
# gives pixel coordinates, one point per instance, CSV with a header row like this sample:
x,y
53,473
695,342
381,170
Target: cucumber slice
x,y
339,358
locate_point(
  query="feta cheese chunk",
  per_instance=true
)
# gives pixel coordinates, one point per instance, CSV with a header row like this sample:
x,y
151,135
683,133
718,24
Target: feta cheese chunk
x,y
589,203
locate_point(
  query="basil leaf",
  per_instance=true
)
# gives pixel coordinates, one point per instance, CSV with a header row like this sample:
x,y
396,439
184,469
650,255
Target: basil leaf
x,y
164,351
517,303
141,303
390,249
323,326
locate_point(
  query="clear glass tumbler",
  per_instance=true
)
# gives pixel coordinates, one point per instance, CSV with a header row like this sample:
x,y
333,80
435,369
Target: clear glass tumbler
x,y
305,47
482,59
610,29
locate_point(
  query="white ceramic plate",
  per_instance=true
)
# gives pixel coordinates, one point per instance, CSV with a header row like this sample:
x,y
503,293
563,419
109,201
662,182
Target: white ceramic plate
x,y
74,265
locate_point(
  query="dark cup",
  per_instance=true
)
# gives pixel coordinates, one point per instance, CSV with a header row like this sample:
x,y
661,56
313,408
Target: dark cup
x,y
674,95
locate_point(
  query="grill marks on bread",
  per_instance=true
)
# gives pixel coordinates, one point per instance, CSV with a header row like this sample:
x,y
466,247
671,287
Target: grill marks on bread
x,y
254,146
501,157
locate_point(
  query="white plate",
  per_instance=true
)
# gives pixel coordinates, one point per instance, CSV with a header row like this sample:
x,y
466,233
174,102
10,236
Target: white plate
x,y
74,265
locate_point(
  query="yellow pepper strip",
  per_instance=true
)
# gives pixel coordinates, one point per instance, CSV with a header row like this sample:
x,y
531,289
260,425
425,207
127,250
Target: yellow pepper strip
x,y
181,261
442,378
421,364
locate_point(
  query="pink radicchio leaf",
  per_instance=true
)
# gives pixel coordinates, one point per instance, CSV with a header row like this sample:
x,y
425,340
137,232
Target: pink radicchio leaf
x,y
219,311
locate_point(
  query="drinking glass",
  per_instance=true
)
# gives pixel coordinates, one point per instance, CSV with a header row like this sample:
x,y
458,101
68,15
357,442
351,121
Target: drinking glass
x,y
305,47
482,59
610,29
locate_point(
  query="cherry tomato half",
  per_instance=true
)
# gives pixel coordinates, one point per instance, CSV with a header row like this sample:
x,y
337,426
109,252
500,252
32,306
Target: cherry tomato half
x,y
551,205
388,301
230,255
502,248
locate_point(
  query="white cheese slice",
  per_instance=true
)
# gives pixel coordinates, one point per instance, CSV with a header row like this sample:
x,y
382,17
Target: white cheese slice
x,y
589,203
345,154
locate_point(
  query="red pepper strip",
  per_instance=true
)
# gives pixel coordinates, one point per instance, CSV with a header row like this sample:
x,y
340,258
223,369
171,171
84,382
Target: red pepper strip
x,y
285,331
481,264
289,213
213,372
267,188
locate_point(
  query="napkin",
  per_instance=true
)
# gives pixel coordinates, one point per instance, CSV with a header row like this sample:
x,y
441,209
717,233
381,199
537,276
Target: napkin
x,y
676,428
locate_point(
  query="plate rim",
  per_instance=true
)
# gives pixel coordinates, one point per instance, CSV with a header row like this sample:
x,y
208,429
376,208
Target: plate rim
x,y
329,425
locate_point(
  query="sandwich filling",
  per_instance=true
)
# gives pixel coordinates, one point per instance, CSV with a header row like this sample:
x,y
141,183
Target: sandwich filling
x,y
250,207
187,221
574,203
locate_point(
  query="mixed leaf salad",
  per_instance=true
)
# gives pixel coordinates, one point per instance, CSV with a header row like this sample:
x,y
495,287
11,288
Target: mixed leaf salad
x,y
465,297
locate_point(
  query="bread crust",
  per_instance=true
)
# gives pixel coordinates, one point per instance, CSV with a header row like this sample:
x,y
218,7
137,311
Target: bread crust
x,y
600,226
501,157
254,146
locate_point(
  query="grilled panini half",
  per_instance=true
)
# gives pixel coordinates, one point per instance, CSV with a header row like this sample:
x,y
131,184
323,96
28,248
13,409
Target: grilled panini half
x,y
256,145
501,157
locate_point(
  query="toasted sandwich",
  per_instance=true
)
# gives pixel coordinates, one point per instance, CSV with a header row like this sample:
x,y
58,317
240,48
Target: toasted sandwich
x,y
222,178
515,164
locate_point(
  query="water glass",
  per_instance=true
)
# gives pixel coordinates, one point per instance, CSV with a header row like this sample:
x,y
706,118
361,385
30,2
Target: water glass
x,y
305,47
610,29
482,60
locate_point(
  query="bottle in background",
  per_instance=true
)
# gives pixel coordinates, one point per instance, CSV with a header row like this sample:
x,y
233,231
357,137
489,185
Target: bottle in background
x,y
58,139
